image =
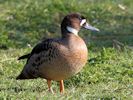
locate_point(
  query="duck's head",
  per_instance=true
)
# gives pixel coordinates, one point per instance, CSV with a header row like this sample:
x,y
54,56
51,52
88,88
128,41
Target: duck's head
x,y
72,23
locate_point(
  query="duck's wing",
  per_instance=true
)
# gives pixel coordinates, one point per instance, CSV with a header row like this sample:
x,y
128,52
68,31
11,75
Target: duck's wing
x,y
43,52
42,46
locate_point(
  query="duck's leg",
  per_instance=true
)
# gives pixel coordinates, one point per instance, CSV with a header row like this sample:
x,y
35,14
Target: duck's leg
x,y
49,86
61,86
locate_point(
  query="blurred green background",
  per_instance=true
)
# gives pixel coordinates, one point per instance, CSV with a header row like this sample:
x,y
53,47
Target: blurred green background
x,y
108,74
24,22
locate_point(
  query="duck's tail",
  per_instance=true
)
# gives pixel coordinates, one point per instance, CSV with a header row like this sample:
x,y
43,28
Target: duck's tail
x,y
24,56
24,76
21,77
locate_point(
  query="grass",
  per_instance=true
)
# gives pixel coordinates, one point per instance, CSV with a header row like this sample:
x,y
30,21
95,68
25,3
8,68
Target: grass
x,y
107,75
26,22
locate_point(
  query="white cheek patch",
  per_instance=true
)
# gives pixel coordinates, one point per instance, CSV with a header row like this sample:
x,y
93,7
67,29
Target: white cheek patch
x,y
72,30
82,22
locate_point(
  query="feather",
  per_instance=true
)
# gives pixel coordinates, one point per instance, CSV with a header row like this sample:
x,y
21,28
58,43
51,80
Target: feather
x,y
24,56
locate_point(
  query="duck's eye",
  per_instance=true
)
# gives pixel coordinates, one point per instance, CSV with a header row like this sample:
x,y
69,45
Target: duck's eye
x,y
83,21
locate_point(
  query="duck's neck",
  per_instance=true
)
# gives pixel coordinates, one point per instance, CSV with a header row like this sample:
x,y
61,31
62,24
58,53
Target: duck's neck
x,y
72,30
69,31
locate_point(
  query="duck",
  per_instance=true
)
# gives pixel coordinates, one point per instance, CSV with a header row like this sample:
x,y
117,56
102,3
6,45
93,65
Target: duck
x,y
58,59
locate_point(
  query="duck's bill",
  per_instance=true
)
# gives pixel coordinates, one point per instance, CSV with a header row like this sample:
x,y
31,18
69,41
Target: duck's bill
x,y
89,27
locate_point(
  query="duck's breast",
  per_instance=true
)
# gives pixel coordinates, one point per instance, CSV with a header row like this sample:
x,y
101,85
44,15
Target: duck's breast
x,y
75,55
70,58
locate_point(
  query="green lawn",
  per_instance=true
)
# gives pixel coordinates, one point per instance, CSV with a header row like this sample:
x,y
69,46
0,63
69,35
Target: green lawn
x,y
108,75
25,22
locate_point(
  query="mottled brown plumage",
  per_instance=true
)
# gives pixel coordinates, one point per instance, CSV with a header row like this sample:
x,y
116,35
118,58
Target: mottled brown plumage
x,y
58,59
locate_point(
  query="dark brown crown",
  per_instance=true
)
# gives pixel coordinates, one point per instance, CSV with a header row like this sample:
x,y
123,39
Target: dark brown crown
x,y
72,20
